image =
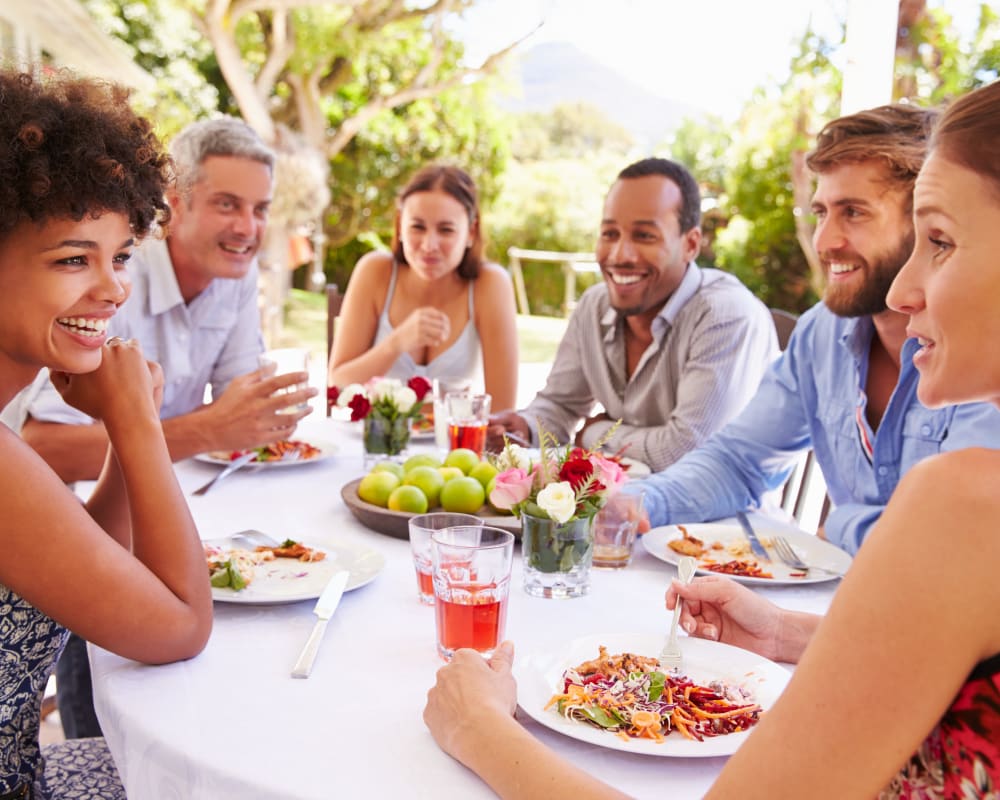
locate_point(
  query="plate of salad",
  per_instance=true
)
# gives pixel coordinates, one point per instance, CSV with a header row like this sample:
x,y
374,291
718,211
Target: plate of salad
x,y
286,453
642,710
261,576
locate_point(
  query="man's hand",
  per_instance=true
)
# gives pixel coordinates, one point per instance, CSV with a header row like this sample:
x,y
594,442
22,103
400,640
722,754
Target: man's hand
x,y
720,609
602,417
249,414
507,423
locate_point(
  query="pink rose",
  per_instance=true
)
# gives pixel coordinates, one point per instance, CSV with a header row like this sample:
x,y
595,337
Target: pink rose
x,y
609,472
510,488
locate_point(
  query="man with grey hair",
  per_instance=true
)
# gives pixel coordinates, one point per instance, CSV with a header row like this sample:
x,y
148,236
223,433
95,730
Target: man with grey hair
x,y
193,308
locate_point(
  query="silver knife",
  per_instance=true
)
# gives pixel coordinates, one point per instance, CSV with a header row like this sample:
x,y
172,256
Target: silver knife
x,y
324,609
231,467
755,545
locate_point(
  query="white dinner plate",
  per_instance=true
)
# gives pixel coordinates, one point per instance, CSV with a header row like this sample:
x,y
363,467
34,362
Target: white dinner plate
x,y
809,548
539,676
286,580
326,449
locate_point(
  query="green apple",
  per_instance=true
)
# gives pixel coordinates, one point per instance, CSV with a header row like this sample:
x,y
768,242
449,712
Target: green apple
x,y
450,472
376,487
463,458
421,460
463,496
408,498
389,466
484,472
428,480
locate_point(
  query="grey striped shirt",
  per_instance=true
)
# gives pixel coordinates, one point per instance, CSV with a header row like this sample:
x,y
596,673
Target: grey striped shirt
x,y
712,342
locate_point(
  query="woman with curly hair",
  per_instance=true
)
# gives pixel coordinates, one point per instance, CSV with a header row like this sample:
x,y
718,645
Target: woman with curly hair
x,y
434,306
82,179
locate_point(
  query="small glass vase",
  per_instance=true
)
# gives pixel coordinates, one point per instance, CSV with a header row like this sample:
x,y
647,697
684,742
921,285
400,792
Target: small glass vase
x,y
385,438
557,556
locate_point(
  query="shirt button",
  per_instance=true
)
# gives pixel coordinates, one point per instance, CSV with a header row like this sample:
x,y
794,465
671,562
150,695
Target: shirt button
x,y
883,470
926,430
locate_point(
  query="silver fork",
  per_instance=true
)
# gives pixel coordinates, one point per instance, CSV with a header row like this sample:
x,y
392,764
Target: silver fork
x,y
791,558
231,467
671,657
255,538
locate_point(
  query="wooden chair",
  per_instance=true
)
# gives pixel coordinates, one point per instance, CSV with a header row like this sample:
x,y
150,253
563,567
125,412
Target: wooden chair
x,y
804,495
334,300
784,324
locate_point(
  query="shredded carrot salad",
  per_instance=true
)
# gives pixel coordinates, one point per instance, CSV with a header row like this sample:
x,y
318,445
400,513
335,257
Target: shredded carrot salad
x,y
627,695
278,451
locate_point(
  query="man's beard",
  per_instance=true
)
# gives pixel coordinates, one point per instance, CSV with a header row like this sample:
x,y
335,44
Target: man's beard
x,y
870,298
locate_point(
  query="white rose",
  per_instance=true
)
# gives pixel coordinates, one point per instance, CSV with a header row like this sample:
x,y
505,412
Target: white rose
x,y
348,392
514,456
558,500
404,399
384,388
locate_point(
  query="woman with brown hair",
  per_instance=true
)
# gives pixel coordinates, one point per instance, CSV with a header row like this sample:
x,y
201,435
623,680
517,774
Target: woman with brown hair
x,y
434,306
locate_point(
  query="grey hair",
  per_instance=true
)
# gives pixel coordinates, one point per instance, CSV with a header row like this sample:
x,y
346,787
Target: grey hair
x,y
225,136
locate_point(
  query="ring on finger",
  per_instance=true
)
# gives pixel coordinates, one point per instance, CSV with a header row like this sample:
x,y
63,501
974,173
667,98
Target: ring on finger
x,y
114,341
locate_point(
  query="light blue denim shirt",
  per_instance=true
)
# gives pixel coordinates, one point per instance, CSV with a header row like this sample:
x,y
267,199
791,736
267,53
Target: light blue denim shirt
x,y
811,397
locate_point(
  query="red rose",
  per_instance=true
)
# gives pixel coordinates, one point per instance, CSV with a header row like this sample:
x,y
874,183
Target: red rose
x,y
332,393
578,471
359,406
421,386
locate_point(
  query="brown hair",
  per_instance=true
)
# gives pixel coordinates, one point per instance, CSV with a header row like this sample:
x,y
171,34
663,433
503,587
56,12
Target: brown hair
x,y
968,133
456,183
896,135
72,146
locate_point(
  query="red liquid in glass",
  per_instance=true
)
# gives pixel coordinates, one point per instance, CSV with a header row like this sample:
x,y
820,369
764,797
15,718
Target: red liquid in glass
x,y
426,583
477,625
468,435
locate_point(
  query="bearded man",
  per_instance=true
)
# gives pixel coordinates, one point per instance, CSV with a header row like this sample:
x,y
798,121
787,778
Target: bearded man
x,y
845,386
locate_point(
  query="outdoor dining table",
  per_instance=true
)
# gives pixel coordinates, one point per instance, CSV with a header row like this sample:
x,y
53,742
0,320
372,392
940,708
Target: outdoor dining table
x,y
233,723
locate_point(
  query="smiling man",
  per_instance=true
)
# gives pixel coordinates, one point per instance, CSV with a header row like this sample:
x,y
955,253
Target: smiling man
x,y
845,386
671,349
193,309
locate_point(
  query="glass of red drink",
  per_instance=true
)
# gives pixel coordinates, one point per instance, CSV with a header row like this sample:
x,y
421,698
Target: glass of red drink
x,y
421,528
471,566
468,418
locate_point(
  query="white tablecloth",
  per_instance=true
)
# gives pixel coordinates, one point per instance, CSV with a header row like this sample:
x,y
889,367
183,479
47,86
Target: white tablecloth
x,y
232,723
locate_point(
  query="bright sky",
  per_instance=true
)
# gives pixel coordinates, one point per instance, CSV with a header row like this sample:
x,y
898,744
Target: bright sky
x,y
685,50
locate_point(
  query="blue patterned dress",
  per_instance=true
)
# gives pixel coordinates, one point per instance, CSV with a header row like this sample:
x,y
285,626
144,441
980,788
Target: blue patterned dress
x,y
30,644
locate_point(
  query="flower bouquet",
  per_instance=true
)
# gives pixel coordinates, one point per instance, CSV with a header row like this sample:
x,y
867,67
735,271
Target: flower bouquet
x,y
556,498
388,407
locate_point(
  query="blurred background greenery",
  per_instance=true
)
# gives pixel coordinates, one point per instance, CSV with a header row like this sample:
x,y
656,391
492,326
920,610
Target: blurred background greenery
x,y
378,88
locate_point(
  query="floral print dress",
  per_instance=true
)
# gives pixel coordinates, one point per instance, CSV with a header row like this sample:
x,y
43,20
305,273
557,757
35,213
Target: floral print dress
x,y
30,643
960,760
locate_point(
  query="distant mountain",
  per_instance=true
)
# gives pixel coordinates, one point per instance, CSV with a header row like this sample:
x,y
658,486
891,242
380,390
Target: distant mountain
x,y
559,72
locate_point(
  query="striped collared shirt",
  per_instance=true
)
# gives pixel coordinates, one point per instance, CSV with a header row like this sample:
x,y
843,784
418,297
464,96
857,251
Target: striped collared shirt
x,y
712,342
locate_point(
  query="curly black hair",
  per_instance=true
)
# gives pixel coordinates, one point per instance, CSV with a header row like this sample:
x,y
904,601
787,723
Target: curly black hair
x,y
71,146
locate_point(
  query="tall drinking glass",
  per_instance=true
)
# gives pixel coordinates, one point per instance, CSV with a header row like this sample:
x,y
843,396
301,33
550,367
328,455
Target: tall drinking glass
x,y
285,360
422,527
468,418
441,387
471,587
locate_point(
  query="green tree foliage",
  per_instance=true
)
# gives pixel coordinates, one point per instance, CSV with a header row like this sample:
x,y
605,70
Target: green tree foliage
x,y
758,224
562,163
